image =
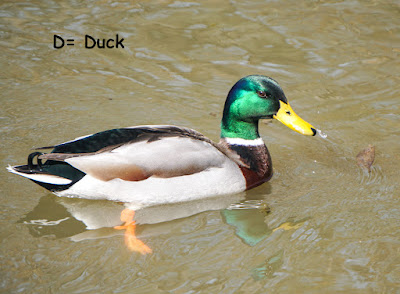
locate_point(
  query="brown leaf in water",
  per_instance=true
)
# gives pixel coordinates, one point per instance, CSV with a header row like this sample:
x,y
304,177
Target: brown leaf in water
x,y
366,157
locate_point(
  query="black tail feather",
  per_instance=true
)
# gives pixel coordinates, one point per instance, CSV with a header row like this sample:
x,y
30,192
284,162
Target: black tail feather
x,y
50,167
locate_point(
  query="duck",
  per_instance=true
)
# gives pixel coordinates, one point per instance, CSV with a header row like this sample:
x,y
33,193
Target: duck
x,y
157,164
151,165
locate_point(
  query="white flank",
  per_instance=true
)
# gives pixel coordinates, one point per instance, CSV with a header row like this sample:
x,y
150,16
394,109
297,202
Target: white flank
x,y
225,179
244,142
44,178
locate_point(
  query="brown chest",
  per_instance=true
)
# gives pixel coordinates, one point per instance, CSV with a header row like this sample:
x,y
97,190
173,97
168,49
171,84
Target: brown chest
x,y
258,162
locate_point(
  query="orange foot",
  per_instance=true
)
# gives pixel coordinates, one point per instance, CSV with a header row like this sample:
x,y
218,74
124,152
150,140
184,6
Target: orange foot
x,y
133,243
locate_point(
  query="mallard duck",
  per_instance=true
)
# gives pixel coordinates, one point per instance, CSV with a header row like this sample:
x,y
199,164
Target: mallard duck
x,y
156,164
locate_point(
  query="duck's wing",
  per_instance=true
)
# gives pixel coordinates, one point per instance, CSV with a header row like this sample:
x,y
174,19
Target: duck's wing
x,y
116,137
136,153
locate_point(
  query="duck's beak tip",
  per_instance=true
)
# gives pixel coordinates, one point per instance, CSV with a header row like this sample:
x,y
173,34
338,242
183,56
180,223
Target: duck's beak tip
x,y
314,131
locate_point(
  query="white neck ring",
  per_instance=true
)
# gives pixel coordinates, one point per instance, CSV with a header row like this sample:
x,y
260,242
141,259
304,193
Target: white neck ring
x,y
244,142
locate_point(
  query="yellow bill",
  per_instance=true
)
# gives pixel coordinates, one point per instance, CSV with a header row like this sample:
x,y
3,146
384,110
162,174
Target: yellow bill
x,y
289,118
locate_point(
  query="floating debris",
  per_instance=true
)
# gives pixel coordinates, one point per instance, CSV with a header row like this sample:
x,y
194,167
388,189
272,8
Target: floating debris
x,y
366,158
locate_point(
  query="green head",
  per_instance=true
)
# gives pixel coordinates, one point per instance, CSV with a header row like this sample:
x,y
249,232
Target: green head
x,y
253,98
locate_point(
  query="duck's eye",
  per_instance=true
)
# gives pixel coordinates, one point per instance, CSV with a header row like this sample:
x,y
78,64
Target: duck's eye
x,y
262,94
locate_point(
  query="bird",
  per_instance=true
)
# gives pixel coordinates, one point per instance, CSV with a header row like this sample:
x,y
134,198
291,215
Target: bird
x,y
159,164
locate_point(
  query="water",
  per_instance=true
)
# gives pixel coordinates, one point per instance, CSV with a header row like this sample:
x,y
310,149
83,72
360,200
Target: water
x,y
321,224
322,134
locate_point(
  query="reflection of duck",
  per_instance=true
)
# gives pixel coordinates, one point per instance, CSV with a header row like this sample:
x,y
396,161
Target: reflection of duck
x,y
149,165
248,221
88,212
94,219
